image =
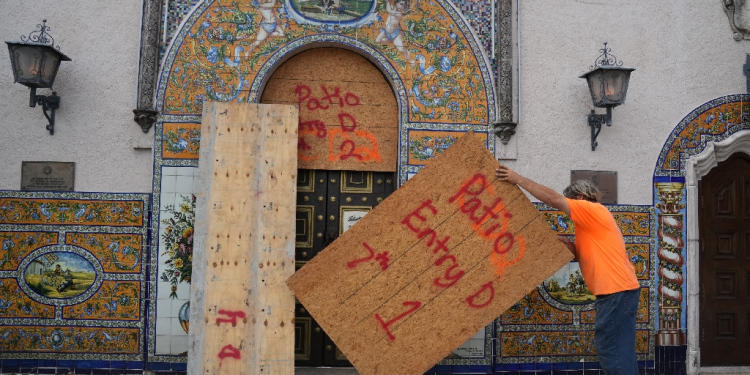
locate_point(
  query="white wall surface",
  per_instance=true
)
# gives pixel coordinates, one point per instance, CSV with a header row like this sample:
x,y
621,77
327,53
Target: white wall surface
x,y
94,126
684,56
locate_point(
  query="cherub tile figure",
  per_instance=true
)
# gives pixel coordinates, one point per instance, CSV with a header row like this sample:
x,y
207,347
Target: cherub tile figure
x,y
269,23
392,31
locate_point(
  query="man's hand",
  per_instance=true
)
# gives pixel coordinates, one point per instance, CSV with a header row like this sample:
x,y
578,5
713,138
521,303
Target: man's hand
x,y
540,192
568,243
506,174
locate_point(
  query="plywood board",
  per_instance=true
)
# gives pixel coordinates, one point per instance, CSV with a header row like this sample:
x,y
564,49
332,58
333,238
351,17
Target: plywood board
x,y
242,313
348,112
430,266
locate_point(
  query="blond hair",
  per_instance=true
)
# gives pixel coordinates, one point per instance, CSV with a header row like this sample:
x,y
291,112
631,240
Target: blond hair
x,y
582,189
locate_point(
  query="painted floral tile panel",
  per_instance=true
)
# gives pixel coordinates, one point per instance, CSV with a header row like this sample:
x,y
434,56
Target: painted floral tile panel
x,y
14,303
116,252
61,339
71,212
630,223
16,245
426,145
565,343
115,300
180,140
533,309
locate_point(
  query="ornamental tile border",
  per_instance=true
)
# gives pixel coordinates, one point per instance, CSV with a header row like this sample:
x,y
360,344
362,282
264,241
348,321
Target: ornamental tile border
x,y
704,139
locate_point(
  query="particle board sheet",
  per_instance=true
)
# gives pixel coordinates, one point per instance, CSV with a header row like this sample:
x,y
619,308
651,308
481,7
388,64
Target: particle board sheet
x,y
242,313
348,112
430,266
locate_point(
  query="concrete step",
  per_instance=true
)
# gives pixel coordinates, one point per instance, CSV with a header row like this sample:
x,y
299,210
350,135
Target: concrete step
x,y
325,371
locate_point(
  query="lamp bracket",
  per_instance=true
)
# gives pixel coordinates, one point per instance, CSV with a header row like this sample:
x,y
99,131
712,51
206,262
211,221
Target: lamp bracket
x,y
733,10
49,103
595,123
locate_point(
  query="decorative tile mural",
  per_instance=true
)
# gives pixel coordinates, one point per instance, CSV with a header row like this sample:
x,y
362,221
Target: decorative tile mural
x,y
480,15
72,281
226,50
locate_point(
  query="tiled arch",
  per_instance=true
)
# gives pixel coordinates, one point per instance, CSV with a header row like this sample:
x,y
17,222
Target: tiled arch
x,y
682,161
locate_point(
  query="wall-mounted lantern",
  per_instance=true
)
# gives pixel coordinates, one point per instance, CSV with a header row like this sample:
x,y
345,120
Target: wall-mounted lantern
x,y
35,60
608,83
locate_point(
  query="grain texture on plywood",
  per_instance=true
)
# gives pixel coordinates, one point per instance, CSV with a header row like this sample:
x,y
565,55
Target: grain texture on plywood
x,y
242,313
430,266
348,114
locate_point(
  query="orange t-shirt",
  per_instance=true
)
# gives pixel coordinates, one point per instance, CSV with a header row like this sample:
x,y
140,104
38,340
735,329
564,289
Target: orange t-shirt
x,y
601,249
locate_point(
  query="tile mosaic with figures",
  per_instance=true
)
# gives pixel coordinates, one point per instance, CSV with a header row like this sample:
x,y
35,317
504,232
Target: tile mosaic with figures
x,y
72,275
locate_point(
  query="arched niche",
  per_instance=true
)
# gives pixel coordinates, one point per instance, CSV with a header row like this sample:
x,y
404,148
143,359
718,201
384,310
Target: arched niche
x,y
707,136
348,113
226,51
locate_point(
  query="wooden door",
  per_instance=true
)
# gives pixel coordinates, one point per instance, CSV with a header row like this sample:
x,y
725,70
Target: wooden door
x,y
329,203
725,263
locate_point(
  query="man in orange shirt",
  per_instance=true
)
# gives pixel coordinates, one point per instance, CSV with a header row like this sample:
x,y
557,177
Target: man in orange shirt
x,y
600,251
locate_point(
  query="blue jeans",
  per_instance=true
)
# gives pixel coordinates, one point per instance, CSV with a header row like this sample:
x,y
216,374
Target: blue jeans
x,y
615,332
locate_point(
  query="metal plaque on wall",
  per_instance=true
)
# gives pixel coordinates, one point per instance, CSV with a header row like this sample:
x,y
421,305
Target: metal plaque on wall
x,y
606,181
47,176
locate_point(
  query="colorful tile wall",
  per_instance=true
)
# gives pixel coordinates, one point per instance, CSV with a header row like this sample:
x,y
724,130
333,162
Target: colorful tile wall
x,y
72,281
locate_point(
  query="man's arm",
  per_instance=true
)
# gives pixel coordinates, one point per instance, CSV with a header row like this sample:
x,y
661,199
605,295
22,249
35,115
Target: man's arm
x,y
541,192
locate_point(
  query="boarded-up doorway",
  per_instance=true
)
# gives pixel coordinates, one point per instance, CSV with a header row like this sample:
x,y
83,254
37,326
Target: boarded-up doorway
x,y
725,263
345,170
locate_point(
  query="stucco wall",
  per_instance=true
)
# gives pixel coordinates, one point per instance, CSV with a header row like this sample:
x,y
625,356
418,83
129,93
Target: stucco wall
x,y
683,53
94,125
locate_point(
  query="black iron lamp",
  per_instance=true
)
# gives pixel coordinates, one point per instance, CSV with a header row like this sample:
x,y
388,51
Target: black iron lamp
x,y
35,60
608,83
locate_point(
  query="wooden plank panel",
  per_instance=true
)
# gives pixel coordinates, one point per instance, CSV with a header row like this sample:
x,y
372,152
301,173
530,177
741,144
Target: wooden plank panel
x,y
242,313
337,90
430,266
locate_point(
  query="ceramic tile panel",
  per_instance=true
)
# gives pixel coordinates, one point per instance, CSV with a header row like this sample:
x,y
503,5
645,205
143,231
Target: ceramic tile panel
x,y
72,281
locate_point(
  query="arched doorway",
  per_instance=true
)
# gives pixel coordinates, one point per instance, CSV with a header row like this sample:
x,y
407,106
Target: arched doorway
x,y
334,193
724,263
